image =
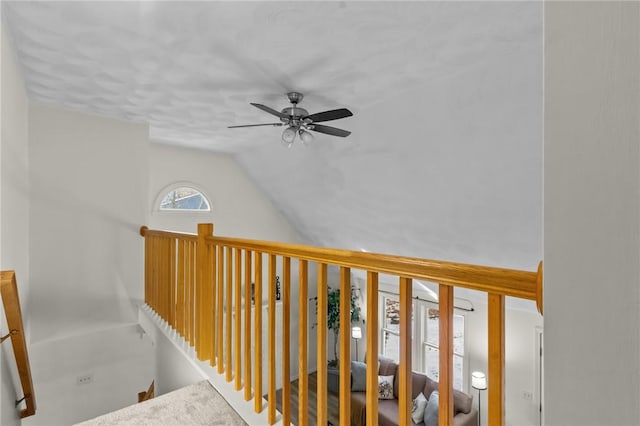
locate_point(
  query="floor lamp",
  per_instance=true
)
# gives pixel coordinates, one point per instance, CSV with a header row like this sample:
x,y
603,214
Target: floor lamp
x,y
356,333
479,381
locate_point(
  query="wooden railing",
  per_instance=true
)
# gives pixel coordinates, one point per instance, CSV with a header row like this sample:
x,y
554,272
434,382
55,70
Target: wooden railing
x,y
11,302
148,394
194,282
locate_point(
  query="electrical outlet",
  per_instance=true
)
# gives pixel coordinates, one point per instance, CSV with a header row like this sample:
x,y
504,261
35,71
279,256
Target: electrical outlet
x,y
527,395
84,380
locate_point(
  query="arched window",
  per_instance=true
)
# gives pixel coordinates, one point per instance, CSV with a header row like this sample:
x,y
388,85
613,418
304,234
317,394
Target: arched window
x,y
184,198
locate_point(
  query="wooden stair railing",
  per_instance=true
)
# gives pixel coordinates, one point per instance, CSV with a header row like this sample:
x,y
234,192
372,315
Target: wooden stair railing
x,y
191,281
148,394
13,313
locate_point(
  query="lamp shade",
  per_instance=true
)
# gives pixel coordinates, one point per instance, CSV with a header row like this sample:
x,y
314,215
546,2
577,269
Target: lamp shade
x,y
356,333
288,136
478,380
306,137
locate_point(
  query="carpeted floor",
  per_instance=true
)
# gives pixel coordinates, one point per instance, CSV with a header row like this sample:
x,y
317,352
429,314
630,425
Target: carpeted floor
x,y
198,404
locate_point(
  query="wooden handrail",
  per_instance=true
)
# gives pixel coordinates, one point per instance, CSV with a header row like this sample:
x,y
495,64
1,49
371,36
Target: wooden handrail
x,y
200,302
507,282
11,303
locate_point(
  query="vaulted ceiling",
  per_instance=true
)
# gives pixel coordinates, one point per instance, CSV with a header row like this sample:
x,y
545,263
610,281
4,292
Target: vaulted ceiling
x,y
445,156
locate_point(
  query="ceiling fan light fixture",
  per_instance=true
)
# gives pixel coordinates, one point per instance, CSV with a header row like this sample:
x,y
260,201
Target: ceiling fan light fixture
x,y
306,137
288,136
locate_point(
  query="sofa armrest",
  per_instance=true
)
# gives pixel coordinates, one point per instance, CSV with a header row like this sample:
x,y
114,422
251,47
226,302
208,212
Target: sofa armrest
x,y
466,419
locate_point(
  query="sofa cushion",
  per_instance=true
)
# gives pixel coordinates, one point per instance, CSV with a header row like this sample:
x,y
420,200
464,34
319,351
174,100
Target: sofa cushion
x,y
461,401
429,386
417,408
388,412
386,366
358,376
418,381
385,387
431,411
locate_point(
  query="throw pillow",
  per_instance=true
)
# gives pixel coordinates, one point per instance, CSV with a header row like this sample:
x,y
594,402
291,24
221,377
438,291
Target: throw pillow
x,y
431,412
417,408
385,387
358,376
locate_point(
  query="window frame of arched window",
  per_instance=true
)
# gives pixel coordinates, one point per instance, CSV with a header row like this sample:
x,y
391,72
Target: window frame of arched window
x,y
162,194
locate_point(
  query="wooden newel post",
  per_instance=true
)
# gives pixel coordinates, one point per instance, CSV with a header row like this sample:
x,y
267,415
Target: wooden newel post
x,y
204,293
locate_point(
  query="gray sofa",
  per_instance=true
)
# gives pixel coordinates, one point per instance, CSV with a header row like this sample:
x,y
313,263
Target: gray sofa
x,y
464,412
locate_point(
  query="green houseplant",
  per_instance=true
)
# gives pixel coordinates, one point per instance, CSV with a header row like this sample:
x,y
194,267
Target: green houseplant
x,y
333,317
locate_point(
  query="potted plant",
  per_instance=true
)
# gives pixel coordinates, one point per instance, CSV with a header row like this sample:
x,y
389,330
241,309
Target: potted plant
x,y
333,317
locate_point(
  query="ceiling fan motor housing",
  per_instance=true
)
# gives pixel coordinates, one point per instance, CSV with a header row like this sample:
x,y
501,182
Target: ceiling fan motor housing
x,y
293,113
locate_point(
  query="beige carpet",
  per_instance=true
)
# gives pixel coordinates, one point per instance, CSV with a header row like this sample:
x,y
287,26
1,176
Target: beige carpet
x,y
197,404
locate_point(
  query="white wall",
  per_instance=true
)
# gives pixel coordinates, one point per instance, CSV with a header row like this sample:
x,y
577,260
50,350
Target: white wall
x,y
14,209
591,213
521,359
89,187
239,208
120,361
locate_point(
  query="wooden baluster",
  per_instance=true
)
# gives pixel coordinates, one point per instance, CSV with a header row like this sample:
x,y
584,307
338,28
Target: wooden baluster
x,y
220,309
204,320
321,344
303,372
163,278
192,285
180,290
495,379
187,292
154,273
404,369
172,283
257,306
286,339
445,375
215,283
345,345
147,268
247,325
238,320
228,311
271,337
228,314
372,348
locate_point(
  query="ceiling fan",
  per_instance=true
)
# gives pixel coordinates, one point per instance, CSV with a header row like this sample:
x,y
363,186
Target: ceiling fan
x,y
299,121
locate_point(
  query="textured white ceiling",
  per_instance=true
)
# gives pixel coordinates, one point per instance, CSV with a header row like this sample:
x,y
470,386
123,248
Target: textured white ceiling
x,y
445,156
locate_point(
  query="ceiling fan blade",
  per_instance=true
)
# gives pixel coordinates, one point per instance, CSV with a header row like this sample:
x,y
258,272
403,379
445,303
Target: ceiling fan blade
x,y
269,110
333,131
255,125
334,114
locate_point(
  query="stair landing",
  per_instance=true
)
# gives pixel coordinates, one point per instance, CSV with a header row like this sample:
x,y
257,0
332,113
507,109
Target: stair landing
x,y
197,404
